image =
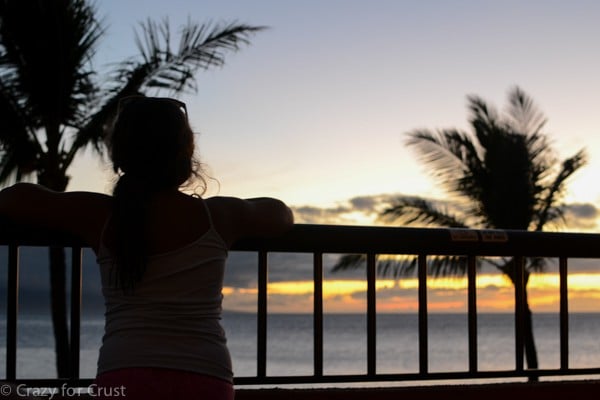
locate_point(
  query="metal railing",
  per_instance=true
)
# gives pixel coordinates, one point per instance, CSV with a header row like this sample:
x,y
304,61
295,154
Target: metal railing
x,y
371,242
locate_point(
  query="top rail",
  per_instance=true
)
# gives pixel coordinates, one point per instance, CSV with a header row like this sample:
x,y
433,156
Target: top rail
x,y
438,241
310,238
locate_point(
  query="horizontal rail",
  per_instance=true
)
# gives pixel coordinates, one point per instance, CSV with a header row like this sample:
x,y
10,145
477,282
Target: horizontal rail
x,y
354,378
308,238
438,241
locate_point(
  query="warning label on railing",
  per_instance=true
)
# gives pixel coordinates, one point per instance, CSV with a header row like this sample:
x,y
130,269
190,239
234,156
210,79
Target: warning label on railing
x,y
487,235
493,235
463,235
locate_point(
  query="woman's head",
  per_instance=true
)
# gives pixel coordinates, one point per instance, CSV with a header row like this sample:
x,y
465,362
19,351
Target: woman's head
x,y
152,142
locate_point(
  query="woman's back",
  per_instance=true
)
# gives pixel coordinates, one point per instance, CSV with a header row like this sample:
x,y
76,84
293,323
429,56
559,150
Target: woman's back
x,y
171,319
173,219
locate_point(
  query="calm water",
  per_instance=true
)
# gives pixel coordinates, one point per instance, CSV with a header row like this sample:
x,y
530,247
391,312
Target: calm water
x,y
290,343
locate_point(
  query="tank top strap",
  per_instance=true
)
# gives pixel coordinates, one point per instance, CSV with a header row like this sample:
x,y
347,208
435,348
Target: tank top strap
x,y
210,221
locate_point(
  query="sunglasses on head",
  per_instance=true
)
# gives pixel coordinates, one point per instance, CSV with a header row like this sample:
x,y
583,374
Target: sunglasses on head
x,y
128,100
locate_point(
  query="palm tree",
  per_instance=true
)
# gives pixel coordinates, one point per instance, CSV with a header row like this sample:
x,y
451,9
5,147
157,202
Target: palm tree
x,y
53,104
503,175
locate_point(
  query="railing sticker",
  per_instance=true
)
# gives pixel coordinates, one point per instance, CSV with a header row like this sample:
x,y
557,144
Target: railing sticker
x,y
463,235
485,235
494,235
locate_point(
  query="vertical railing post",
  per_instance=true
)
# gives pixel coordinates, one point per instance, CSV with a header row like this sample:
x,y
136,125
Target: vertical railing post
x,y
564,313
371,315
261,347
318,314
75,312
12,305
472,311
423,330
519,281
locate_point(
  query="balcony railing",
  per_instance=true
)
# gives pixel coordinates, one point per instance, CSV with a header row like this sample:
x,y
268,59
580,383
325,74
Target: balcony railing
x,y
371,242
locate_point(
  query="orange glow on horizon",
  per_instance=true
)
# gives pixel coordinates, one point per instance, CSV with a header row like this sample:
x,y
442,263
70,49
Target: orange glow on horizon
x,y
495,293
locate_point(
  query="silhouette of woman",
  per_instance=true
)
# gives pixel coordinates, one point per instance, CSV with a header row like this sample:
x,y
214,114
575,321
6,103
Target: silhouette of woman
x,y
161,254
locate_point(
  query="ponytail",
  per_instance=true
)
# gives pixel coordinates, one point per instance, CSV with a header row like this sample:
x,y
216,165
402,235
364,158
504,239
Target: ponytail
x,y
130,207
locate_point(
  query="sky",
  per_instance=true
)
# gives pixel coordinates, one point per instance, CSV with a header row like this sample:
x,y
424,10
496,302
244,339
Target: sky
x,y
315,111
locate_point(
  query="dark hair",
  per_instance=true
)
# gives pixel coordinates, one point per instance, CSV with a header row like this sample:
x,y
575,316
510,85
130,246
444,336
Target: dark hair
x,y
152,149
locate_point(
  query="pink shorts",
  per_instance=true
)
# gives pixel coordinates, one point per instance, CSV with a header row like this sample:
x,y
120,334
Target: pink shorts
x,y
160,383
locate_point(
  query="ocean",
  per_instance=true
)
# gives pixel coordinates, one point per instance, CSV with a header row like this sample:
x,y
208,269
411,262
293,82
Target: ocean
x,y
290,347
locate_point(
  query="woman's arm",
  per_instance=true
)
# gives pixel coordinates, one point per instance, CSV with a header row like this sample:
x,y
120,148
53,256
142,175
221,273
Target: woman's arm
x,y
36,207
263,216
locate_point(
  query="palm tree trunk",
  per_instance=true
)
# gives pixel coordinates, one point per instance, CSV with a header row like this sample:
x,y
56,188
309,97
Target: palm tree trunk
x,y
530,350
529,340
53,178
58,304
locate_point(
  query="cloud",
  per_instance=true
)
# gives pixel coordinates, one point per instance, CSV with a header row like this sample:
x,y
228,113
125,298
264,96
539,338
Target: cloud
x,y
363,210
359,210
363,202
318,215
242,268
366,210
581,216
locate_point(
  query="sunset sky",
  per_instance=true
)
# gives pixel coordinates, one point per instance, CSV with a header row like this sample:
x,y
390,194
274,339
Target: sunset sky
x,y
316,109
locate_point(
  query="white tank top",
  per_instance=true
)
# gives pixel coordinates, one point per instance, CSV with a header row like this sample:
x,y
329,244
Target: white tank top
x,y
172,320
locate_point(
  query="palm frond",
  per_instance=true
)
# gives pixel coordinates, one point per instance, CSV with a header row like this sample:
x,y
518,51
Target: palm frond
x,y
159,67
437,266
9,167
450,153
349,262
534,264
405,265
14,120
483,119
200,47
16,164
548,209
524,119
19,146
395,267
415,210
93,132
523,114
444,266
62,30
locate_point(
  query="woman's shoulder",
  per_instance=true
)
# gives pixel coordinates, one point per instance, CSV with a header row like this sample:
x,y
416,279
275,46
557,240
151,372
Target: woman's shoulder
x,y
245,204
258,208
226,203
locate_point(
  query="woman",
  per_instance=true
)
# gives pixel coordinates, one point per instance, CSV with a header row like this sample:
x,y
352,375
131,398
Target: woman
x,y
161,254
